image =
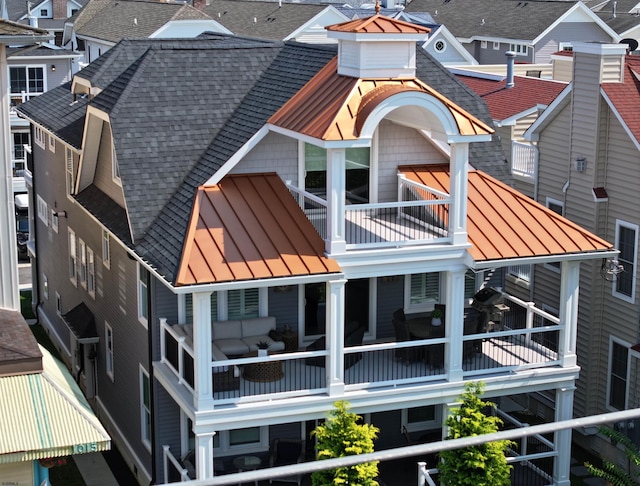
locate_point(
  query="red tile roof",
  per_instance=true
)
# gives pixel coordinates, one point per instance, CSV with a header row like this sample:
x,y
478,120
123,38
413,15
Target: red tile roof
x,y
625,96
335,107
504,102
503,223
250,227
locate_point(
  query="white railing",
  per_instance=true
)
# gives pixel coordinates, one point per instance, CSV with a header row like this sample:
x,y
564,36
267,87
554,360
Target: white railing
x,y
524,160
171,464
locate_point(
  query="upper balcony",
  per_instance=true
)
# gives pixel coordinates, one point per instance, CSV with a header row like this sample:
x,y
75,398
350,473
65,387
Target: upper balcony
x,y
524,338
418,217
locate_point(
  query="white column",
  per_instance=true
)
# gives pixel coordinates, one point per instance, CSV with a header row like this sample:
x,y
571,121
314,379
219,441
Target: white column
x,y
336,176
202,398
335,336
204,455
562,438
454,323
458,167
9,295
568,312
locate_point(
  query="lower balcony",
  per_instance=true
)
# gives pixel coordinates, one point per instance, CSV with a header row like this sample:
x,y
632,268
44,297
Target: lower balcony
x,y
525,338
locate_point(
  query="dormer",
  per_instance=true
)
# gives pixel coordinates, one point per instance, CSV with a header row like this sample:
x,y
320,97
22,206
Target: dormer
x,y
377,47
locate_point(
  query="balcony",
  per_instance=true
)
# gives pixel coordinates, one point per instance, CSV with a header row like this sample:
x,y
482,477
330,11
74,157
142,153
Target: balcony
x,y
524,160
527,338
420,216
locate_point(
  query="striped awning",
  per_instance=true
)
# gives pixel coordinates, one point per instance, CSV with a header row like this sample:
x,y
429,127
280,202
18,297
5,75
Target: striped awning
x,y
45,415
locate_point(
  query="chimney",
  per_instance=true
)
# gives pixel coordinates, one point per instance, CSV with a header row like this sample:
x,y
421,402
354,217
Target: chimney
x,y
511,59
199,4
60,9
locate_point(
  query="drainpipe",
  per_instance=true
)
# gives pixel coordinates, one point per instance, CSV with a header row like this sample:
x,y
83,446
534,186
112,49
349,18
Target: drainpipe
x,y
511,58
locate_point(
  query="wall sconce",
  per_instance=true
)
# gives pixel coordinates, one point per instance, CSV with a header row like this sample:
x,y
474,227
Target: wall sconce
x,y
53,67
60,214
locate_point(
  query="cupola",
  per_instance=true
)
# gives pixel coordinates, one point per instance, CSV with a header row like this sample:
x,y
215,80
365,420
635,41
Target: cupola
x,y
377,47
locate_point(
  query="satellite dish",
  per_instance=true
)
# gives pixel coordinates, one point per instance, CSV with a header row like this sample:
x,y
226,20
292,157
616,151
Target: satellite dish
x,y
633,44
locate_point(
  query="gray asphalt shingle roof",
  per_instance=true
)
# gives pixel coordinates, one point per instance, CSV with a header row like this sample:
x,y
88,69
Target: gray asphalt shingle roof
x,y
509,19
181,108
112,20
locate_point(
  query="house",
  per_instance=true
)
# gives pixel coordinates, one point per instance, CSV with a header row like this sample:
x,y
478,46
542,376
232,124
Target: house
x,y
514,102
533,30
102,23
588,143
621,16
323,199
44,415
47,14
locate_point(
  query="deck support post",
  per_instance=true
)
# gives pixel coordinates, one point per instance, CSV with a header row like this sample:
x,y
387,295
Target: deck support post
x,y
335,336
336,182
568,312
562,437
204,455
458,190
203,389
454,323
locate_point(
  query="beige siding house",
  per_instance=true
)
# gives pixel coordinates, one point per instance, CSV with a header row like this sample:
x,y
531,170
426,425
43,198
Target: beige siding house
x,y
589,150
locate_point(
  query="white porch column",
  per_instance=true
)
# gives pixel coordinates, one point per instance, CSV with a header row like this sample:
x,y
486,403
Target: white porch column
x,y
562,438
458,166
454,322
336,176
9,295
335,336
568,312
202,398
204,455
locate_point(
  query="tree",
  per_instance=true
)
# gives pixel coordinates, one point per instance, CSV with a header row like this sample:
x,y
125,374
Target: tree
x,y
615,475
341,435
481,465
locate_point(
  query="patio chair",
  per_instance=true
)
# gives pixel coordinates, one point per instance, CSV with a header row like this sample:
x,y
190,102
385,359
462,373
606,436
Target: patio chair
x,y
286,452
406,355
399,315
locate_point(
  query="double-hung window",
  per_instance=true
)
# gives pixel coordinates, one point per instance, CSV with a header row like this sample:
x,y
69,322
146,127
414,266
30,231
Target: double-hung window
x,y
423,291
106,250
73,258
108,348
25,82
69,173
91,273
618,375
83,262
624,286
143,294
145,408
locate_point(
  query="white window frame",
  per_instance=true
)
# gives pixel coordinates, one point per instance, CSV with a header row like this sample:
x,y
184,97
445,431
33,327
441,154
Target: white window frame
x,y
519,49
82,249
91,273
26,95
633,263
143,295
424,425
115,168
624,344
73,257
145,409
43,210
428,303
52,143
108,350
483,44
45,287
225,448
496,45
54,220
549,202
69,170
58,305
106,249
40,137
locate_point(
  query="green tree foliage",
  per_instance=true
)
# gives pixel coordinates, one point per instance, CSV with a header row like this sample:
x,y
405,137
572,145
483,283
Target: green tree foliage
x,y
341,435
481,465
615,475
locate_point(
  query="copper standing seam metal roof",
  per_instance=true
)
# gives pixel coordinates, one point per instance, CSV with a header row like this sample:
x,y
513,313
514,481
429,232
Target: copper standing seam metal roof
x,y
250,227
335,107
502,223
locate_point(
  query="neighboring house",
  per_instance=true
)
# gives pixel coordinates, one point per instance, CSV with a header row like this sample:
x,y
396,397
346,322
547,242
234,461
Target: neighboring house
x,y
50,15
45,417
324,199
514,102
589,146
32,71
102,23
623,16
533,30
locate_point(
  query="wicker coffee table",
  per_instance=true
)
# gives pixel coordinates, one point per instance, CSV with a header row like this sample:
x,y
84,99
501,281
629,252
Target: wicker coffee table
x,y
264,371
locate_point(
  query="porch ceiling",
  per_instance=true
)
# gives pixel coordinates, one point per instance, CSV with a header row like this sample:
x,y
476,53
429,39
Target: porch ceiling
x,y
503,224
250,227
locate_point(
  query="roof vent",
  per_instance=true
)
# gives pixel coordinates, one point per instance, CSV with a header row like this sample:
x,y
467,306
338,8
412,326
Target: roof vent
x,y
511,58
